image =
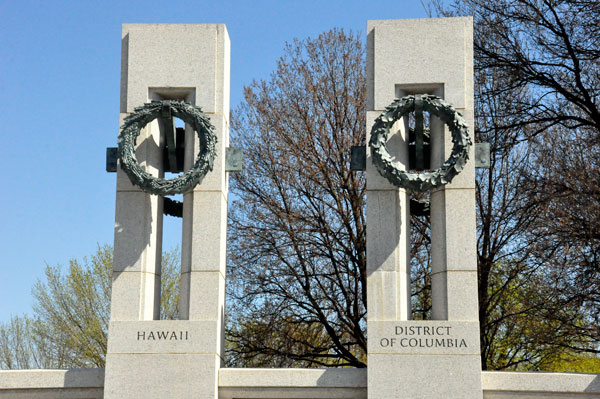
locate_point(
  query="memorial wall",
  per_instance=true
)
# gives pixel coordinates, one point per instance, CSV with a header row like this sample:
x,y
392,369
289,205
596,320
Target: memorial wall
x,y
420,94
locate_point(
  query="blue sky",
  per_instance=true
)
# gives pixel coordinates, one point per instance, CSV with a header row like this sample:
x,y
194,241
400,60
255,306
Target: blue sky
x,y
59,109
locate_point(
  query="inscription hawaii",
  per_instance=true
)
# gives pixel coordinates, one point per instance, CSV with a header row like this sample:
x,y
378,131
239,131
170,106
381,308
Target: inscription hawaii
x,y
164,335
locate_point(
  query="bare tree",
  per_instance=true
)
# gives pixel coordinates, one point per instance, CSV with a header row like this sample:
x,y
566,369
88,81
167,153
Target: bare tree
x,y
297,260
566,181
537,86
549,47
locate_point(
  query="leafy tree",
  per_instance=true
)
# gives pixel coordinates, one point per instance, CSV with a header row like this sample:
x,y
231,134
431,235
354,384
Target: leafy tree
x,y
576,363
71,312
18,347
297,261
290,341
170,273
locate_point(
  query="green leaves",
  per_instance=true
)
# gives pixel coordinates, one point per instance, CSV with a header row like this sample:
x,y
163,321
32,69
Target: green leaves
x,y
69,326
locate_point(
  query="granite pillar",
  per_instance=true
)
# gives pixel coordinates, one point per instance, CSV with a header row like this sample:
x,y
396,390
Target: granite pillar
x,y
147,357
436,358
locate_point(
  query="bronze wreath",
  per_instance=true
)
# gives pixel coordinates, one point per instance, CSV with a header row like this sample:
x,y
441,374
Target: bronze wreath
x,y
423,181
144,115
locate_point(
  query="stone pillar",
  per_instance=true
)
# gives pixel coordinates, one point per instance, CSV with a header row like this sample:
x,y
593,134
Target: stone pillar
x,y
147,357
388,232
436,358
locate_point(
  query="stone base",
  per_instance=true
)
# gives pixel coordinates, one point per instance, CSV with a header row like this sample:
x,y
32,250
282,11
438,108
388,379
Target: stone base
x,y
424,359
161,376
163,359
424,376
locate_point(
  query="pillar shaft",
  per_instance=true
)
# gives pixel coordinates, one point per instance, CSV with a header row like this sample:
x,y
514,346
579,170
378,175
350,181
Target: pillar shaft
x,y
388,236
406,358
147,357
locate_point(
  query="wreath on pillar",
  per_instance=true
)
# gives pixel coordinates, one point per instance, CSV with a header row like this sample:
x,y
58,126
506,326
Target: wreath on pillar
x,y
422,181
145,114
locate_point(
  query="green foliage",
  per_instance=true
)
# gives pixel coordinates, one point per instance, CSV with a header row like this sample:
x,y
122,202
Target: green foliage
x,y
576,363
69,326
19,349
263,345
169,285
72,309
512,330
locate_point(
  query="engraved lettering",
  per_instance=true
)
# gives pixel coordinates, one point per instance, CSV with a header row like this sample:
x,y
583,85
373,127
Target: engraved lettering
x,y
164,335
442,337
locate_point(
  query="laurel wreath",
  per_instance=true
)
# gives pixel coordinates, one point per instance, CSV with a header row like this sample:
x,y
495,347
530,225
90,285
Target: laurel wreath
x,y
145,114
422,181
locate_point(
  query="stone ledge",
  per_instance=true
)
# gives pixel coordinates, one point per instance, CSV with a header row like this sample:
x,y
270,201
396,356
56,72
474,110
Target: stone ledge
x,y
293,377
504,381
292,393
39,379
292,383
297,383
